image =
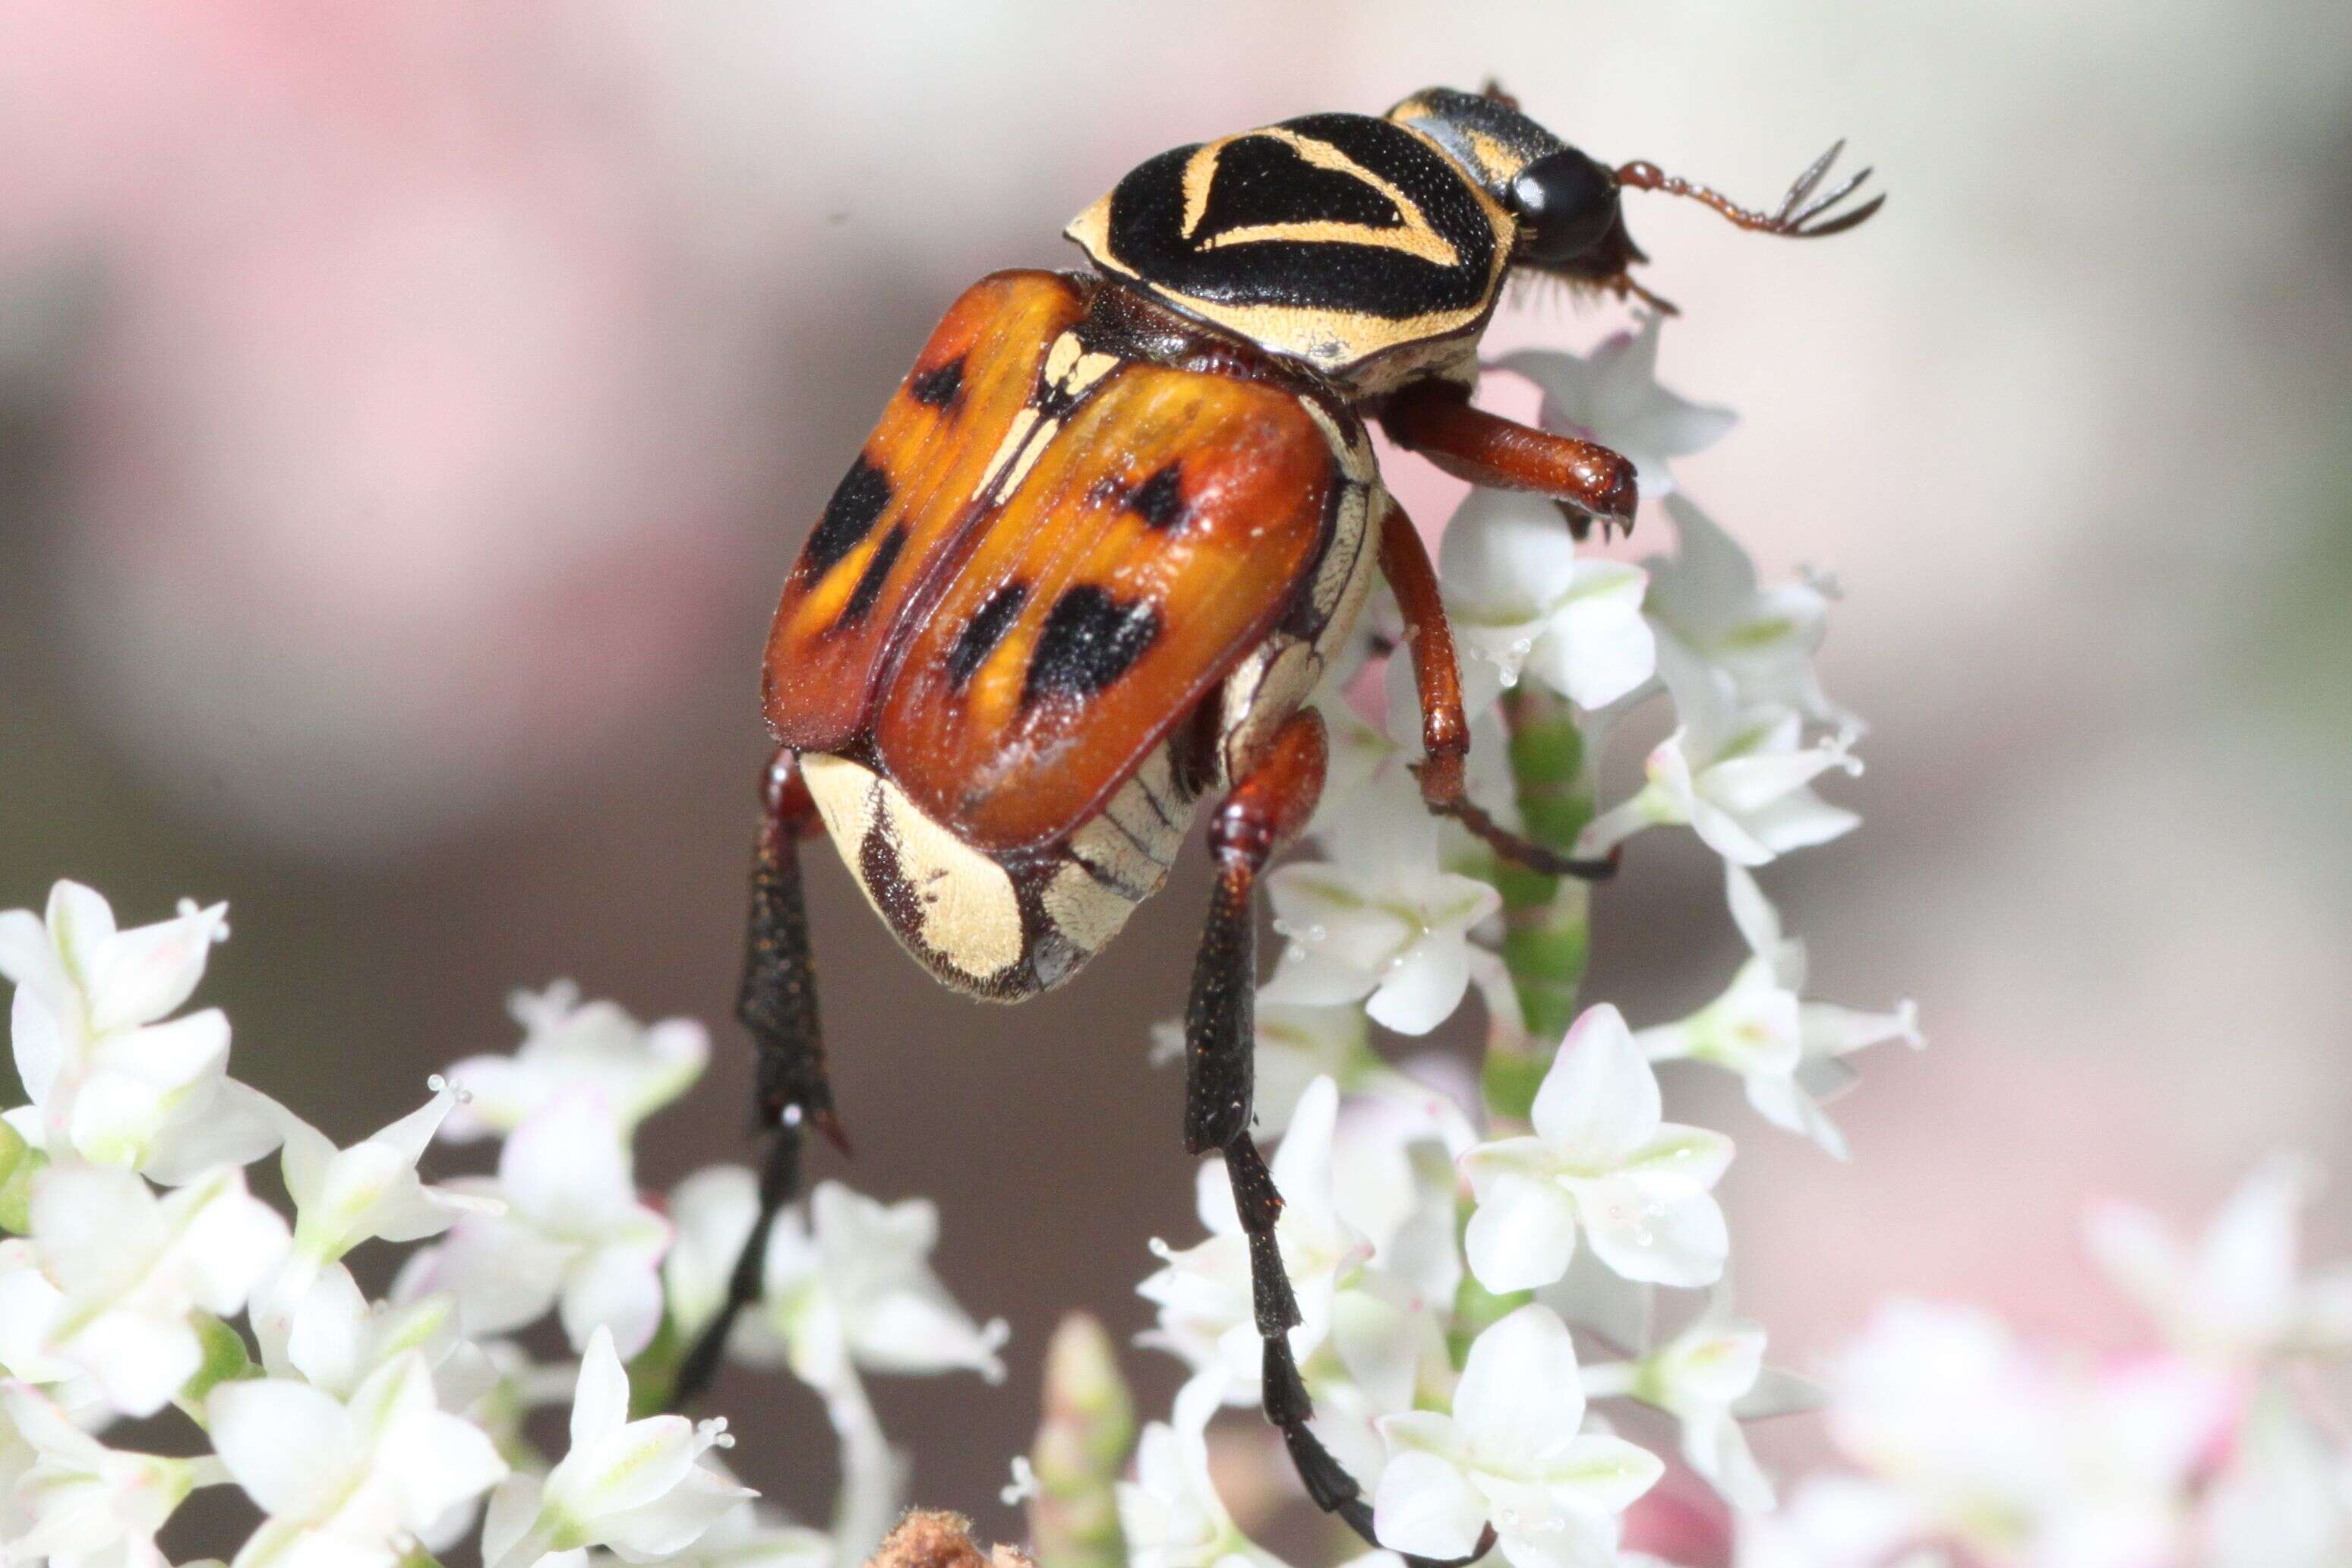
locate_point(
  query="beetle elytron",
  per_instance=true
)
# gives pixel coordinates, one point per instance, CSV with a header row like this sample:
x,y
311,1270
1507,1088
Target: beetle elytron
x,y
1111,531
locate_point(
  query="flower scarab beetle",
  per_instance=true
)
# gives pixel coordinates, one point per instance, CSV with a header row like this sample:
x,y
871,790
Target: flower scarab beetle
x,y
1108,537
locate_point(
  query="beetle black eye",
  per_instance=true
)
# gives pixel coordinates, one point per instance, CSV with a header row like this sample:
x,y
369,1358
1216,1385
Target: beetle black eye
x,y
1568,203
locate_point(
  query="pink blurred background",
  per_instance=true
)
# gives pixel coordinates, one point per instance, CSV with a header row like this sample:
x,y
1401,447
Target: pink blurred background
x,y
408,413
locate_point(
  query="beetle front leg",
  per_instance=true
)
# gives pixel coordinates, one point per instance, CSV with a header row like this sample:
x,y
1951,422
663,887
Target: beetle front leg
x,y
1444,728
1590,482
777,1002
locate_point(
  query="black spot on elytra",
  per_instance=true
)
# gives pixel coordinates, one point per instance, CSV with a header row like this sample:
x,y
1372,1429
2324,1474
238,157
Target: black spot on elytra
x,y
1159,500
938,388
1089,640
857,505
869,585
984,630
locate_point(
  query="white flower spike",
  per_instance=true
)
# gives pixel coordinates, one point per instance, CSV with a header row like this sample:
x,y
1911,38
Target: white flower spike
x,y
1170,1513
1708,1377
560,1225
345,1197
81,1504
1706,602
853,1288
1789,1052
1612,396
1519,599
568,1045
1601,1161
1739,778
106,1284
347,1482
642,1488
109,1080
2236,1296
1511,1455
1387,923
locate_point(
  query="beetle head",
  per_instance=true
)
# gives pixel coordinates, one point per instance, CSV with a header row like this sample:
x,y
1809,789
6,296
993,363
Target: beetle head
x,y
1564,203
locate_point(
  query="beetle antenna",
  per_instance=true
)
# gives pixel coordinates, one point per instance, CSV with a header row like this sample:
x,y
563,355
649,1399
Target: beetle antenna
x,y
1800,216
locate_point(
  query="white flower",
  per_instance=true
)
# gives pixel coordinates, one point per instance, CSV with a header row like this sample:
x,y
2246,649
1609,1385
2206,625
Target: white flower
x,y
2237,1295
562,1222
1170,1514
1612,396
338,1339
346,1481
567,1045
1704,600
1385,921
1836,1522
2285,1501
1708,1377
749,1536
711,1214
1603,1160
1787,1051
640,1488
857,1290
1512,1454
1203,1293
81,1504
1739,777
2043,1464
107,1281
108,1080
343,1198
1519,599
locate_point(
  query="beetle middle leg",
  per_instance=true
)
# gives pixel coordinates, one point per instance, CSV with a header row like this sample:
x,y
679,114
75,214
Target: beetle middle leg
x,y
1445,729
777,1002
1264,810
1589,482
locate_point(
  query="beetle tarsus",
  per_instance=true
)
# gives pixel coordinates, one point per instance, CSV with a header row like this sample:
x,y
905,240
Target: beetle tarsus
x,y
777,1003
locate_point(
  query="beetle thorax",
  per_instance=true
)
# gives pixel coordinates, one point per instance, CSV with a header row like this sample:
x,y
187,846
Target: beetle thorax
x,y
1353,245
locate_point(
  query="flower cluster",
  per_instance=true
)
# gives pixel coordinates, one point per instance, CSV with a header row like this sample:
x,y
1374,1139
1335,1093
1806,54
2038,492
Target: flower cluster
x,y
1479,1271
2212,1446
141,1277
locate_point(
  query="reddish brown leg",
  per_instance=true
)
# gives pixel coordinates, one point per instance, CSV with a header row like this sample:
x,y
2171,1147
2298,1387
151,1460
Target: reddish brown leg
x,y
1445,731
1435,419
777,1002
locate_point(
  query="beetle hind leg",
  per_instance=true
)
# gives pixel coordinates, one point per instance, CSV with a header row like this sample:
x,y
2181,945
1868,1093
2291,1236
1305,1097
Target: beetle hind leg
x,y
777,1003
1445,731
1265,809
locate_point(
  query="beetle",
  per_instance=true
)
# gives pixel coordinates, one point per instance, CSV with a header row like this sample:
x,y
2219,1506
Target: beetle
x,y
1112,530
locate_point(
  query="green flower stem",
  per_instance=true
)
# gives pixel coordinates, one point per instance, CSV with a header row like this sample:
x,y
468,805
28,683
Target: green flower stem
x,y
19,1163
1547,920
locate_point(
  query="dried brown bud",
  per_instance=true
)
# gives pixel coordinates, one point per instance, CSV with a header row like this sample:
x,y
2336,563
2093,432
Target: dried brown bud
x,y
936,1539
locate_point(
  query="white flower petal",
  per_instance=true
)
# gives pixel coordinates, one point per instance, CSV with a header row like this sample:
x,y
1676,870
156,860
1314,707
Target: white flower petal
x,y
289,1445
1600,1101
1519,1391
1667,1233
1522,1234
1427,1508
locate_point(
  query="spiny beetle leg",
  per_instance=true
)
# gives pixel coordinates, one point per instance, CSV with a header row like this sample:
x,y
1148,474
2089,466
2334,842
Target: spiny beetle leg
x,y
1435,419
1444,730
1265,810
777,1003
